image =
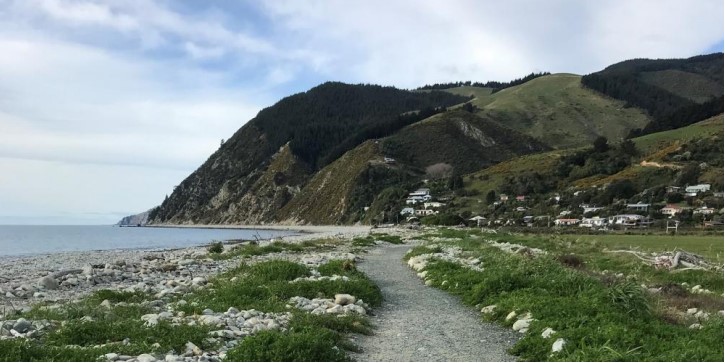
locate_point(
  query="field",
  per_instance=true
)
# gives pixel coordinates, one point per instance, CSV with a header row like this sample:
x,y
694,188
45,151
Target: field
x,y
710,247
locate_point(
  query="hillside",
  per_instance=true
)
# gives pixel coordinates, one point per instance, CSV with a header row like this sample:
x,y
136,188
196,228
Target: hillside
x,y
461,139
227,187
342,153
674,92
557,110
657,164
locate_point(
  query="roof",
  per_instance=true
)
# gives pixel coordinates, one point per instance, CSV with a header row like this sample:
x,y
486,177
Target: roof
x,y
476,218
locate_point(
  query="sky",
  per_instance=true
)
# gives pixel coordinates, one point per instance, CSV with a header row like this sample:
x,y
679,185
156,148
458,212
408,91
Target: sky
x,y
105,106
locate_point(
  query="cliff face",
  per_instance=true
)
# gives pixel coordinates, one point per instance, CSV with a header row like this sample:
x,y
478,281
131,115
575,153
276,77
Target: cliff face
x,y
140,219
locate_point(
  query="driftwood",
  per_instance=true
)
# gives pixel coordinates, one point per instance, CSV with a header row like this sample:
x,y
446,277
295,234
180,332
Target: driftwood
x,y
675,260
62,273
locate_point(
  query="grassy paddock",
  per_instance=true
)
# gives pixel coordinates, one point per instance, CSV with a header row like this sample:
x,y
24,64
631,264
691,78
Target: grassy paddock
x,y
710,247
603,316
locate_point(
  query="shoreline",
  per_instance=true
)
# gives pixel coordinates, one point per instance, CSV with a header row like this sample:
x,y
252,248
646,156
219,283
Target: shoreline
x,y
20,275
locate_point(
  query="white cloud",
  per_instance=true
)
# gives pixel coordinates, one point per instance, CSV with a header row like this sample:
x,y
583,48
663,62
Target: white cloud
x,y
92,90
408,43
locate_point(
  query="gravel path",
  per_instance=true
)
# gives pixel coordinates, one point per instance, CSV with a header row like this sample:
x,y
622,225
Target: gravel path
x,y
421,323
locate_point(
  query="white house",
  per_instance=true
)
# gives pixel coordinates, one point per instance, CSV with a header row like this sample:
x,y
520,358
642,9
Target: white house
x,y
429,205
425,212
593,222
641,207
671,210
629,220
591,209
414,200
699,188
704,211
566,221
420,192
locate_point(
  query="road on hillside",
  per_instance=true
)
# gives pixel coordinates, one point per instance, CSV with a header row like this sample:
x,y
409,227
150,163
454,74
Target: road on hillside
x,y
421,323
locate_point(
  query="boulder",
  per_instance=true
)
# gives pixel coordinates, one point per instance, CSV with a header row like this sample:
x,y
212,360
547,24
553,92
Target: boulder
x,y
344,299
192,349
111,357
511,315
488,309
558,345
547,333
521,325
146,358
48,283
22,326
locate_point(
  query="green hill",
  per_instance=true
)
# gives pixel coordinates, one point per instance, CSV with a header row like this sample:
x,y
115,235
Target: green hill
x,y
558,110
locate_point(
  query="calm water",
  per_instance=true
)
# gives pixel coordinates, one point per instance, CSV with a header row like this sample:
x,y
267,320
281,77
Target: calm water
x,y
29,240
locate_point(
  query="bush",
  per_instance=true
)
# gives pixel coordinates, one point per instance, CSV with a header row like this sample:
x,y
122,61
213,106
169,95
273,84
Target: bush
x,y
216,247
308,345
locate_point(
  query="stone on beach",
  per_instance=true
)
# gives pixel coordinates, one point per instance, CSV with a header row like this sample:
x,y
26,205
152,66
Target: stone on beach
x,y
48,283
344,299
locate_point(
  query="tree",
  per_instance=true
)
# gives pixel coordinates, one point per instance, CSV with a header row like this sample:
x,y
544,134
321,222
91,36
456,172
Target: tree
x,y
455,182
439,171
688,175
628,148
490,197
601,144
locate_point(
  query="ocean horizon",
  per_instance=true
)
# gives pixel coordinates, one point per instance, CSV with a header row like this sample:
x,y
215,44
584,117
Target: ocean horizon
x,y
28,240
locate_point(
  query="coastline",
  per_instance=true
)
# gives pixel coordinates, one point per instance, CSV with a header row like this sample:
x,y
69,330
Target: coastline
x,y
20,275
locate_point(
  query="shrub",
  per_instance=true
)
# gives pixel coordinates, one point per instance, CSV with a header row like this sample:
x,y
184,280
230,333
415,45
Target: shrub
x,y
216,247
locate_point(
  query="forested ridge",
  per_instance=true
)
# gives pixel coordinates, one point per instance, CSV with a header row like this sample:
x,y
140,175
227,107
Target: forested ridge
x,y
494,85
624,81
317,123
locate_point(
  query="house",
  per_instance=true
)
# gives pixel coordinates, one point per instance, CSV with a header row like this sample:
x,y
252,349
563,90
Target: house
x,y
503,197
704,210
640,207
671,210
407,211
429,205
520,209
630,220
566,221
420,192
414,200
425,212
564,213
589,209
692,190
528,219
478,219
673,189
593,222
389,160
520,198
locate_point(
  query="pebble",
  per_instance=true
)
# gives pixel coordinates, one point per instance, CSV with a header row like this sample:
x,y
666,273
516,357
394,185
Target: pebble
x,y
48,283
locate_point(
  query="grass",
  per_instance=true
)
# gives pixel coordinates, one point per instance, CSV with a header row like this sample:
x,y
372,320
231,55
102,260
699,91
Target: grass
x,y
600,318
558,110
710,247
248,250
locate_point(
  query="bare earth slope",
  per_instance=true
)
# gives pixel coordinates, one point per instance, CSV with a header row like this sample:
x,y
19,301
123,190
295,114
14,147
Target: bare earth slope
x,y
421,323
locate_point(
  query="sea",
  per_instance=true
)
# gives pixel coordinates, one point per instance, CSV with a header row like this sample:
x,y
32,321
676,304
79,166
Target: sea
x,y
22,240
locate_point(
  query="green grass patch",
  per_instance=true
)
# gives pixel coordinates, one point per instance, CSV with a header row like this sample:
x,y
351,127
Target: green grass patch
x,y
600,319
